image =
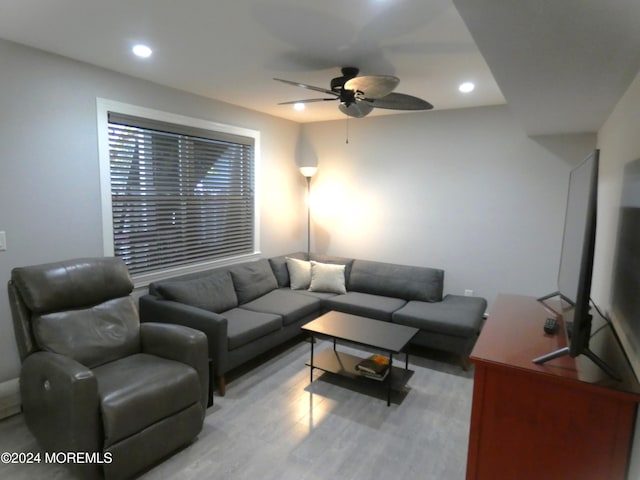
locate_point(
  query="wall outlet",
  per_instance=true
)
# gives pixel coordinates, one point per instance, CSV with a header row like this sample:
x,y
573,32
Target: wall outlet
x,y
3,241
468,293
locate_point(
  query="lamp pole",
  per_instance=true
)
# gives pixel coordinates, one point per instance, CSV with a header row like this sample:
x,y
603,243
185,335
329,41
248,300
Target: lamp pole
x,y
308,216
308,172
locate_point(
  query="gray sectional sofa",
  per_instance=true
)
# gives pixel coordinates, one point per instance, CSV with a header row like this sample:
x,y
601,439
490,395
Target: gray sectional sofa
x,y
251,307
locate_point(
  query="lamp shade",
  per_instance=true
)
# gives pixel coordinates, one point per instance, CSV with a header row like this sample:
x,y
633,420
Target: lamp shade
x,y
308,171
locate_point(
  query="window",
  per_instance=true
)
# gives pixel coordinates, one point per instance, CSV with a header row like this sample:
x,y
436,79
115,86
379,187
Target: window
x,y
180,194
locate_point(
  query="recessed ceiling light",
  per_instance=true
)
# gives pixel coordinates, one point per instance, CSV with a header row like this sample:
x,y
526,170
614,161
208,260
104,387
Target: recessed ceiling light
x,y
466,87
141,50
298,106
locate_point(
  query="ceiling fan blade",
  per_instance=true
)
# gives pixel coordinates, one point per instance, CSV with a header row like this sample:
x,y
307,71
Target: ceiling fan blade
x,y
400,101
373,86
356,109
309,87
309,100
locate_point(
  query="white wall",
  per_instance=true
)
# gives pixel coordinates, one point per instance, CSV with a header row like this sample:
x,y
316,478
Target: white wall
x,y
619,143
49,177
463,190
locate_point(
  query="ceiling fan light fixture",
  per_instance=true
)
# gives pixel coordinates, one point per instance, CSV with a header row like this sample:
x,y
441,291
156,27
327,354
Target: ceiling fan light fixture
x,y
298,106
356,109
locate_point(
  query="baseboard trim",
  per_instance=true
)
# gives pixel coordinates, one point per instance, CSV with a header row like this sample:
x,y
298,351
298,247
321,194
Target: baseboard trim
x,y
9,398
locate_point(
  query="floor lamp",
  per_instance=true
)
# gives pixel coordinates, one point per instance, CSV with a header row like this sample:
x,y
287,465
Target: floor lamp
x,y
308,172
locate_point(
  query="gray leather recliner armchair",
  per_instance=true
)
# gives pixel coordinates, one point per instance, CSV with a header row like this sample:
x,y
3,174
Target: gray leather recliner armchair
x,y
94,379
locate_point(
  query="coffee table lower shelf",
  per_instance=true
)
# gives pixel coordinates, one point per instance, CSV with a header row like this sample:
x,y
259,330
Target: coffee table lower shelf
x,y
344,364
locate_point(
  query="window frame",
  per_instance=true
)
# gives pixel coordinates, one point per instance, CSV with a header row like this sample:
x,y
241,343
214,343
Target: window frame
x,y
104,106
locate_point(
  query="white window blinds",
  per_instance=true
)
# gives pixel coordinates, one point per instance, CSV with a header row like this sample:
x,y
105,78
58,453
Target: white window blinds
x,y
180,195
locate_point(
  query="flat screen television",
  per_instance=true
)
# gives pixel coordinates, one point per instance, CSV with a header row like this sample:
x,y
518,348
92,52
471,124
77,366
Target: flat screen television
x,y
576,262
625,285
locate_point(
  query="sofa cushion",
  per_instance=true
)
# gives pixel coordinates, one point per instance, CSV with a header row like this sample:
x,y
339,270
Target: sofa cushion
x,y
279,267
140,390
326,277
299,273
365,304
287,303
401,281
214,292
253,279
92,336
455,315
318,295
244,326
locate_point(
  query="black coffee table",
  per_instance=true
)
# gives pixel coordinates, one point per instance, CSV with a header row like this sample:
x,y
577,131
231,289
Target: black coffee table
x,y
388,337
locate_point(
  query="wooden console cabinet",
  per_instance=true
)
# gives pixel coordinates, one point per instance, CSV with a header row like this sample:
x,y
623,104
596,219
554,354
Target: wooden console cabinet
x,y
564,420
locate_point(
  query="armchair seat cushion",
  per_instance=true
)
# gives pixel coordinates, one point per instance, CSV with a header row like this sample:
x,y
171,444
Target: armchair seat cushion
x,y
365,304
140,390
286,303
244,326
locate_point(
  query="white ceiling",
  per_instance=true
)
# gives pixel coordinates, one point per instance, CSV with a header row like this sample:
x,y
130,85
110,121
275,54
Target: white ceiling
x,y
561,64
230,50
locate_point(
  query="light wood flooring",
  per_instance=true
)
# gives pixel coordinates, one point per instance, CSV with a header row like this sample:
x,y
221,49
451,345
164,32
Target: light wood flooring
x,y
274,425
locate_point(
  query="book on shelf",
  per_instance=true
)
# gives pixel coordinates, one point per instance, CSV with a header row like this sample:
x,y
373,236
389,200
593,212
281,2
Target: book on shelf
x,y
375,377
376,366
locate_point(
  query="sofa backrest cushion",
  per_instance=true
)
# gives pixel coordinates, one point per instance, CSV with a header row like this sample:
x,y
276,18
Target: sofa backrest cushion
x,y
92,336
253,279
280,270
400,281
214,292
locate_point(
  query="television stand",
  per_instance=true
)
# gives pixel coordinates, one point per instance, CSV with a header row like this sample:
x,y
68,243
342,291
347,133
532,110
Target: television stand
x,y
564,419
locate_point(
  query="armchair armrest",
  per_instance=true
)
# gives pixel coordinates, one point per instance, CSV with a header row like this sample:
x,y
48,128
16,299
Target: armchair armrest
x,y
60,403
179,343
154,309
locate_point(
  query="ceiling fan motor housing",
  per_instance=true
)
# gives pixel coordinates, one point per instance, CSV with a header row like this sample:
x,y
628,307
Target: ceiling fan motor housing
x,y
347,97
337,84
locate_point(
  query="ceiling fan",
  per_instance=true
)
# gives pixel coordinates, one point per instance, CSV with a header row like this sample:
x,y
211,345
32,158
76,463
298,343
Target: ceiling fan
x,y
358,95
